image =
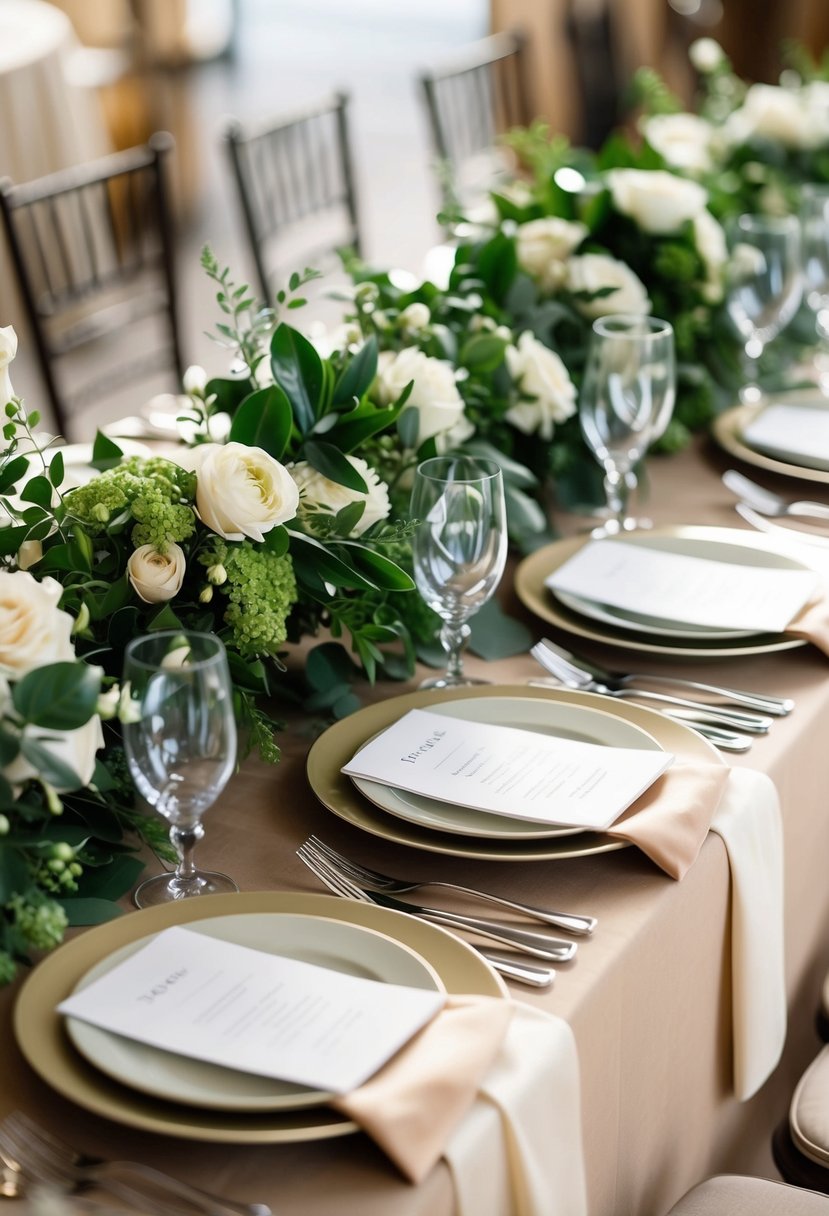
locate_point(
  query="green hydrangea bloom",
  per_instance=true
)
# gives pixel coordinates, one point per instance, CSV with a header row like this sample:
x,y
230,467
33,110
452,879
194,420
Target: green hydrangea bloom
x,y
42,925
158,494
260,589
8,968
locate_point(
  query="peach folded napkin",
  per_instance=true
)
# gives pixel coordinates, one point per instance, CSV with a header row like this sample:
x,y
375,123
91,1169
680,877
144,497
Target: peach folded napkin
x,y
413,1104
672,818
812,623
519,1151
748,820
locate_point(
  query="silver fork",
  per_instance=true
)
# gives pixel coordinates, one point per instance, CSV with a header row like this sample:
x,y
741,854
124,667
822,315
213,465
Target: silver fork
x,y
767,503
40,1155
535,944
576,676
764,703
363,876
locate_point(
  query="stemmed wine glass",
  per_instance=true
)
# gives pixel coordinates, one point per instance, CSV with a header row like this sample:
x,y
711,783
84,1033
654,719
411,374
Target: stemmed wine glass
x,y
814,226
180,741
459,547
626,402
765,285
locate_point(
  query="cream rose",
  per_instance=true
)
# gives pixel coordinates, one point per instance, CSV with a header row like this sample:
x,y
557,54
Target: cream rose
x,y
242,491
318,491
683,140
706,55
8,350
540,374
33,630
434,395
543,247
712,248
593,271
657,200
781,115
156,576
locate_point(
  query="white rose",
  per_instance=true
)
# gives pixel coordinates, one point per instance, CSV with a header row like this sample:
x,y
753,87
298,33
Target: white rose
x,y
156,576
657,200
543,247
593,271
777,114
8,350
76,748
434,395
683,140
242,491
194,380
539,373
319,491
712,248
706,55
33,630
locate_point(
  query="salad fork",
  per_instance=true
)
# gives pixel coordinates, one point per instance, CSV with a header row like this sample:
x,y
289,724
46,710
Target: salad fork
x,y
36,1153
363,876
764,703
766,503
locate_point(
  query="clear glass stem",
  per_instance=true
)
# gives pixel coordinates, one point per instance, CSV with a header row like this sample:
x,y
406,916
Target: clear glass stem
x,y
453,636
617,489
750,392
184,841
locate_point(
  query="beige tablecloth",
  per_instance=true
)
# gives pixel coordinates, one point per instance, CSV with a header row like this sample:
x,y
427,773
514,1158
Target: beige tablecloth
x,y
648,998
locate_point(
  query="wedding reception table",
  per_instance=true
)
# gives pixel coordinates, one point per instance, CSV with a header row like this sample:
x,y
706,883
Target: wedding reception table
x,y
648,996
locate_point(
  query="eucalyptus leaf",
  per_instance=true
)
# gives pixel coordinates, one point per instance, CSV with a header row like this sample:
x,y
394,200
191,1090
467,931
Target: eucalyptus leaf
x,y
82,911
494,635
56,469
11,473
38,490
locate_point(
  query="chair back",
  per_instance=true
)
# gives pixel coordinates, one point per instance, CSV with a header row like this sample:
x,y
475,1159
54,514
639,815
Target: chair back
x,y
295,178
92,248
470,100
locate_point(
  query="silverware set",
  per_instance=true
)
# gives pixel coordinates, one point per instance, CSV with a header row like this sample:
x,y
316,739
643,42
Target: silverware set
x,y
32,1156
760,507
337,873
729,728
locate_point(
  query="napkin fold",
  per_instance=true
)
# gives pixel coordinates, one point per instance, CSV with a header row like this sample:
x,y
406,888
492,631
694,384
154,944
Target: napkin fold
x,y
413,1104
671,819
812,623
749,822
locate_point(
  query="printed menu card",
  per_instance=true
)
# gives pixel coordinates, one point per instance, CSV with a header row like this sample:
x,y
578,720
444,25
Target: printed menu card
x,y
800,432
508,771
690,590
259,1013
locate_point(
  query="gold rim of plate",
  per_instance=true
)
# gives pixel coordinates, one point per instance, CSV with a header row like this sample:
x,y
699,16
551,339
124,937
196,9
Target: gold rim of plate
x,y
531,591
336,792
41,1038
727,428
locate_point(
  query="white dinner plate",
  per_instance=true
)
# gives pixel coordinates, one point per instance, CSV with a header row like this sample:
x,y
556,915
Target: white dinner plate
x,y
639,622
334,944
580,722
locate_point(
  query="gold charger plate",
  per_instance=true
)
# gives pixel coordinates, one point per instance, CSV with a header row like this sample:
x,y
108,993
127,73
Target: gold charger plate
x,y
336,792
533,594
41,1037
727,428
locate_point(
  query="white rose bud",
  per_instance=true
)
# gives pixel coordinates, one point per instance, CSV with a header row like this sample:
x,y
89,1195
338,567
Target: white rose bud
x,y
156,576
415,317
129,708
318,491
706,55
242,491
108,702
81,620
216,575
29,553
206,594
8,350
195,380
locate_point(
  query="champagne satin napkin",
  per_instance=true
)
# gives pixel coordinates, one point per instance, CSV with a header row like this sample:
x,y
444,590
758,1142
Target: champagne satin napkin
x,y
672,818
812,623
411,1107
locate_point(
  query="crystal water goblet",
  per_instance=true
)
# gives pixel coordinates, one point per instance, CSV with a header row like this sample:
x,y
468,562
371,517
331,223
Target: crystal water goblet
x,y
459,547
764,285
626,401
180,742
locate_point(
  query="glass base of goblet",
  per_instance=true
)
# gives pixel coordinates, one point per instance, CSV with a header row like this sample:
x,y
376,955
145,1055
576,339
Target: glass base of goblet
x,y
166,888
446,681
612,527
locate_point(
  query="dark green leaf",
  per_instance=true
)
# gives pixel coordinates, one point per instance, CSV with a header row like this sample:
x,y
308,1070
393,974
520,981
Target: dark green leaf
x,y
297,369
12,538
56,469
333,464
165,618
346,705
482,353
315,566
9,745
497,266
328,664
277,541
353,429
494,635
90,911
229,394
58,696
123,627
523,513
38,490
408,427
384,573
105,453
60,557
358,375
113,880
116,597
12,472
14,873
349,516
264,420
